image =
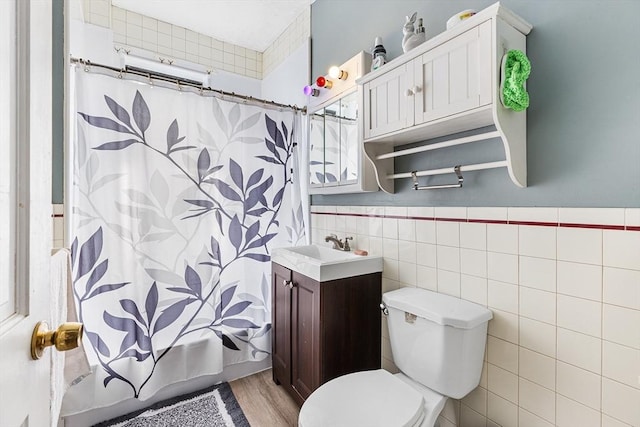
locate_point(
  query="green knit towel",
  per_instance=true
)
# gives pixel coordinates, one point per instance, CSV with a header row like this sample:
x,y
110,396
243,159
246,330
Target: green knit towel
x,y
516,70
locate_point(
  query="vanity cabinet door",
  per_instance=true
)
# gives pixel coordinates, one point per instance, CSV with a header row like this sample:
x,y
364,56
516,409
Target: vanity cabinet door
x,y
281,324
305,336
454,77
388,102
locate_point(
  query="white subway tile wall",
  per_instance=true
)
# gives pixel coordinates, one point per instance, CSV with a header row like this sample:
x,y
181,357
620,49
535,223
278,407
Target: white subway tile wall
x,y
174,42
564,286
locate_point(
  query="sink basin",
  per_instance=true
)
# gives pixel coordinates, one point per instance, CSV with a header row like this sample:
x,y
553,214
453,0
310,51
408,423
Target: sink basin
x,y
322,263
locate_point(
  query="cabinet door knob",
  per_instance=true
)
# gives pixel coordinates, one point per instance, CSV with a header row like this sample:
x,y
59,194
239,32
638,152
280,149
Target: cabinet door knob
x,y
416,89
408,92
288,284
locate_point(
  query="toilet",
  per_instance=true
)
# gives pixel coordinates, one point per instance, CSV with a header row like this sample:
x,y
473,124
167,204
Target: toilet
x,y
438,344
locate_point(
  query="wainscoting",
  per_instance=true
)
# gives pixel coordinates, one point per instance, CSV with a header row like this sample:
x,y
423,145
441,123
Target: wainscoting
x,y
563,284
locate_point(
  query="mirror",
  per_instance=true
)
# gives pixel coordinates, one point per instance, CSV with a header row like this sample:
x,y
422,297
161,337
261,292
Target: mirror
x,y
316,148
334,151
334,146
349,147
332,143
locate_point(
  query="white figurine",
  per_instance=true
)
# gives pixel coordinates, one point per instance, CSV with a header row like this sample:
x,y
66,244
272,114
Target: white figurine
x,y
412,38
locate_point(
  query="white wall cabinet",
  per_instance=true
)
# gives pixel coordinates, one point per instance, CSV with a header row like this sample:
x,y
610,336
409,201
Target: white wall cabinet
x,y
448,79
449,84
336,160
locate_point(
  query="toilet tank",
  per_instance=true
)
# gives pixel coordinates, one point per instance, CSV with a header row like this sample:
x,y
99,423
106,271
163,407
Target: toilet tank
x,y
437,340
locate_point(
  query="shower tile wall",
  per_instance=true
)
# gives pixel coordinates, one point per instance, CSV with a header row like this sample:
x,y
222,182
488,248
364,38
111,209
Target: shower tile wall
x,y
564,286
175,42
289,41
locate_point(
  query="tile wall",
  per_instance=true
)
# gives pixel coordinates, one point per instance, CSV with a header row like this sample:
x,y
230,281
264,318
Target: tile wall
x,y
564,286
132,30
57,220
291,39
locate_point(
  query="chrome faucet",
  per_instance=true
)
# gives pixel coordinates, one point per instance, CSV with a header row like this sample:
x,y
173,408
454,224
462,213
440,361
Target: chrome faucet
x,y
337,243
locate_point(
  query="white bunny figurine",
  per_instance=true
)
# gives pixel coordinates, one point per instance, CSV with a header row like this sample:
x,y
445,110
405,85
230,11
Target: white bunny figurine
x,y
412,39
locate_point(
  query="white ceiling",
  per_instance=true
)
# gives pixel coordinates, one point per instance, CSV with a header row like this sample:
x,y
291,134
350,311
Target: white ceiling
x,y
254,24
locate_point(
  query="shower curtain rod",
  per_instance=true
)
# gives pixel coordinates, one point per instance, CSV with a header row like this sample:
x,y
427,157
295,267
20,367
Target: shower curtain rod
x,y
181,83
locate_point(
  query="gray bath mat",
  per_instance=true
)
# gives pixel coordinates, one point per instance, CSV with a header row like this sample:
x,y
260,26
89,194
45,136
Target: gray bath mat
x,y
212,407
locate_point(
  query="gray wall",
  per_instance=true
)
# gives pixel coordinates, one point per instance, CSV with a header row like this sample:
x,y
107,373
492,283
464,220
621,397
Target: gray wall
x,y
583,122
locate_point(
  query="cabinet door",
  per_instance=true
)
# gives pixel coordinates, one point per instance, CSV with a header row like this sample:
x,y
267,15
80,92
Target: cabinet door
x,y
316,148
349,143
332,144
281,324
305,335
388,102
454,77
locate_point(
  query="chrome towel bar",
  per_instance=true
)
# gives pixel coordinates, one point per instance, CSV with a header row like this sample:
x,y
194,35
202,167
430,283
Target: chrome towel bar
x,y
456,170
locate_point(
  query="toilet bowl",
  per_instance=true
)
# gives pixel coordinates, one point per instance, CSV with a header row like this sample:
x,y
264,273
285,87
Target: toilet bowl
x,y
371,399
437,342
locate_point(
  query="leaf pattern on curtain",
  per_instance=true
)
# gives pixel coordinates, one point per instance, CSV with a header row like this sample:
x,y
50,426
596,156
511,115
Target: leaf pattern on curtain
x,y
173,225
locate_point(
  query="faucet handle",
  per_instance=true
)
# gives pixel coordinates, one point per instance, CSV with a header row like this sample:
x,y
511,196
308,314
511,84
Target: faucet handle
x,y
346,243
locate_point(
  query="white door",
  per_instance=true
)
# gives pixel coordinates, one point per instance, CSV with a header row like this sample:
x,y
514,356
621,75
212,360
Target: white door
x,y
25,207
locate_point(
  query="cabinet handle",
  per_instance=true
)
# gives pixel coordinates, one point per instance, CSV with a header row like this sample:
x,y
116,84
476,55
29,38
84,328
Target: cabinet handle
x,y
408,92
416,89
288,284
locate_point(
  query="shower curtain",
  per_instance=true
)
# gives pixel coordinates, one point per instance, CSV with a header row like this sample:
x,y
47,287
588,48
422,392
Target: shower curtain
x,y
177,201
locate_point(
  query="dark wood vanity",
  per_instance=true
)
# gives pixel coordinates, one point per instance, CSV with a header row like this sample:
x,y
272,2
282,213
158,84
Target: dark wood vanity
x,y
322,330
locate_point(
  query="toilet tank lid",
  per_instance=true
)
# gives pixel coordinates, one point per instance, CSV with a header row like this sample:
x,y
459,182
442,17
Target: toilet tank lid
x,y
439,308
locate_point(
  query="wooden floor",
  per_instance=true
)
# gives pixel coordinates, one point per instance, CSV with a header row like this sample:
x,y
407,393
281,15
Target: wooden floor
x,y
264,403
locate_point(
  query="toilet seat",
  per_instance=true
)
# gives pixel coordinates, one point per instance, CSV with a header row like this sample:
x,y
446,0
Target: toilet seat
x,y
369,398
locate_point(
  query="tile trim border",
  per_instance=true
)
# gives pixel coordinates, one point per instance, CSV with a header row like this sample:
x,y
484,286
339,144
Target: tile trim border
x,y
475,221
487,221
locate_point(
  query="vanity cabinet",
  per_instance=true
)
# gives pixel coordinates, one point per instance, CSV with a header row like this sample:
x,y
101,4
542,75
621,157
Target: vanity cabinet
x,y
336,160
322,330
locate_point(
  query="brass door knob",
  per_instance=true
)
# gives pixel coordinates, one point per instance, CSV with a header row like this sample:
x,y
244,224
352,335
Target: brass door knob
x,y
67,337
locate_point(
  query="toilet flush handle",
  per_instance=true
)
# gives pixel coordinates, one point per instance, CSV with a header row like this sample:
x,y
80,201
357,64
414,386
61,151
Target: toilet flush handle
x,y
384,309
